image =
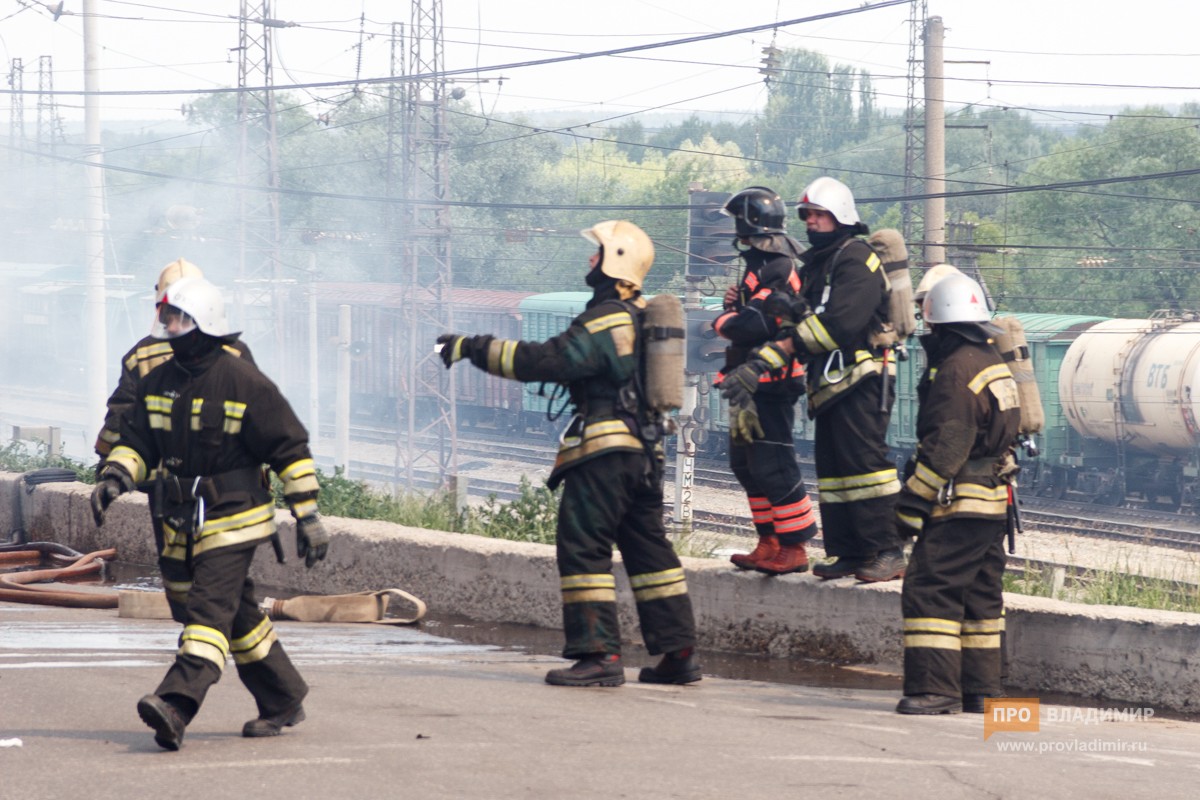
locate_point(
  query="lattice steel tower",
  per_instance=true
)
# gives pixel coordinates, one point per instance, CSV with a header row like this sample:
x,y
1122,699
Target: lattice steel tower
x,y
16,112
49,124
431,440
911,213
260,268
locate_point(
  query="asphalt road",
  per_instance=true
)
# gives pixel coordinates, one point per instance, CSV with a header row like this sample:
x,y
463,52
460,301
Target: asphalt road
x,y
398,712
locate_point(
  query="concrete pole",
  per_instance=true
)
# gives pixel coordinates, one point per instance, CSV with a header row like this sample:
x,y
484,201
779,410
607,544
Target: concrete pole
x,y
95,312
935,142
314,383
341,446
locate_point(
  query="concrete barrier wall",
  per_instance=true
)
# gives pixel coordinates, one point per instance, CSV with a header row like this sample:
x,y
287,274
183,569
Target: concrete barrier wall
x,y
1121,654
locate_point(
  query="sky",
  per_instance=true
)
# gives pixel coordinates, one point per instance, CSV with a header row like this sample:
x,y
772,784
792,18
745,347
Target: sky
x,y
1049,55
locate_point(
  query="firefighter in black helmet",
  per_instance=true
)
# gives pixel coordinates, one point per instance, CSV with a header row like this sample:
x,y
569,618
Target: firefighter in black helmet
x,y
610,460
764,459
955,501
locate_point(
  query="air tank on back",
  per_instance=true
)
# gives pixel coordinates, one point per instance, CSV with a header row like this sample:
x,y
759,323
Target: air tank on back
x,y
1131,380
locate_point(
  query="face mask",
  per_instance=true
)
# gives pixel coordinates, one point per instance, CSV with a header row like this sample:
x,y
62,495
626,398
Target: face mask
x,y
192,345
821,239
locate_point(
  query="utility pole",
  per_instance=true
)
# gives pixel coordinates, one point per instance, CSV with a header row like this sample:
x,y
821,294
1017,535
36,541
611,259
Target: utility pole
x,y
935,143
95,313
431,436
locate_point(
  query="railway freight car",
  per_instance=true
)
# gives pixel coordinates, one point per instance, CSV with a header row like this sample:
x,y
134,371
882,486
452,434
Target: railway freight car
x,y
1128,388
379,349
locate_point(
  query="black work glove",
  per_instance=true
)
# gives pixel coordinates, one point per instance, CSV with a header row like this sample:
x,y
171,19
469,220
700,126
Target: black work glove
x,y
787,308
113,483
456,348
741,382
744,426
312,540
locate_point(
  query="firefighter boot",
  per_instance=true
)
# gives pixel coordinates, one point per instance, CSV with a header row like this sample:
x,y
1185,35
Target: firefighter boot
x,y
973,703
766,549
790,558
165,719
274,724
929,704
842,567
682,666
887,565
598,669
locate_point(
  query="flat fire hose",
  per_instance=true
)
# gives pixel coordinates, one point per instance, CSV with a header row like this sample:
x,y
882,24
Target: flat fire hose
x,y
368,606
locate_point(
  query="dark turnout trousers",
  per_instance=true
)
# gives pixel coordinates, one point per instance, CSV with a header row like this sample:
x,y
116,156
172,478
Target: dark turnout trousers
x,y
953,606
615,499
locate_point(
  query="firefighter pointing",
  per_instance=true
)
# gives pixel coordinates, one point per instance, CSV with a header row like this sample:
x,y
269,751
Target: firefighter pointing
x,y
610,461
212,420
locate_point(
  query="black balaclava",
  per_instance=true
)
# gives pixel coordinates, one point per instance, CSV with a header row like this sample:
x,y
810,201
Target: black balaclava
x,y
194,345
603,287
820,240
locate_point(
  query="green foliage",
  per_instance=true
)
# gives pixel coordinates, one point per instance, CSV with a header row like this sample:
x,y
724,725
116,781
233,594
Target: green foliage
x,y
344,497
19,457
1130,237
532,517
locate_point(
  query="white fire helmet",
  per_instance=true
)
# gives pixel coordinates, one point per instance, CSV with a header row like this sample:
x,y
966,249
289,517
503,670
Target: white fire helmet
x,y
628,251
931,278
955,298
192,303
829,194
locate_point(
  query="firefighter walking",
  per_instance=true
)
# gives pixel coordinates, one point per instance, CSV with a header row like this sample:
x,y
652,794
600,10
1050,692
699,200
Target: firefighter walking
x,y
955,501
765,465
212,420
610,461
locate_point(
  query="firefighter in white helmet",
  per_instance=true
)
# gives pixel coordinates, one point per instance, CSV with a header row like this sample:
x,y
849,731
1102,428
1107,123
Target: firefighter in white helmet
x,y
850,381
211,420
955,501
610,460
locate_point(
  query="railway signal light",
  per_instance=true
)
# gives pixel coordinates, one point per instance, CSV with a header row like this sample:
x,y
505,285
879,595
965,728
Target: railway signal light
x,y
705,351
710,235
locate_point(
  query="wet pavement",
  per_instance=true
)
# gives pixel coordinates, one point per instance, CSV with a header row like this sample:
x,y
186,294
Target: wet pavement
x,y
439,712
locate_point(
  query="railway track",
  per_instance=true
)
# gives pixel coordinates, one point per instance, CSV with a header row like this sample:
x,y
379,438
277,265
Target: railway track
x,y
1149,528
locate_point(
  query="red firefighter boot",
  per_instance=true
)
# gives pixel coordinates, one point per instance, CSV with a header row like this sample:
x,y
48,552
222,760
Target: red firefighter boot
x,y
790,558
765,550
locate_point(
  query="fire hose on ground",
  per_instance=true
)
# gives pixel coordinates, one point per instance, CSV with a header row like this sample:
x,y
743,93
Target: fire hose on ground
x,y
18,587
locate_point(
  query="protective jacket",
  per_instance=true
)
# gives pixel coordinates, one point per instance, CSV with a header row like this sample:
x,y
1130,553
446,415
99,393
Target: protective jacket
x,y
747,324
135,365
597,359
212,424
847,289
967,425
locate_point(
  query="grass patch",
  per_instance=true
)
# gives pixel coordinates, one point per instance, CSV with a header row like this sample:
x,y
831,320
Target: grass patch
x,y
21,456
